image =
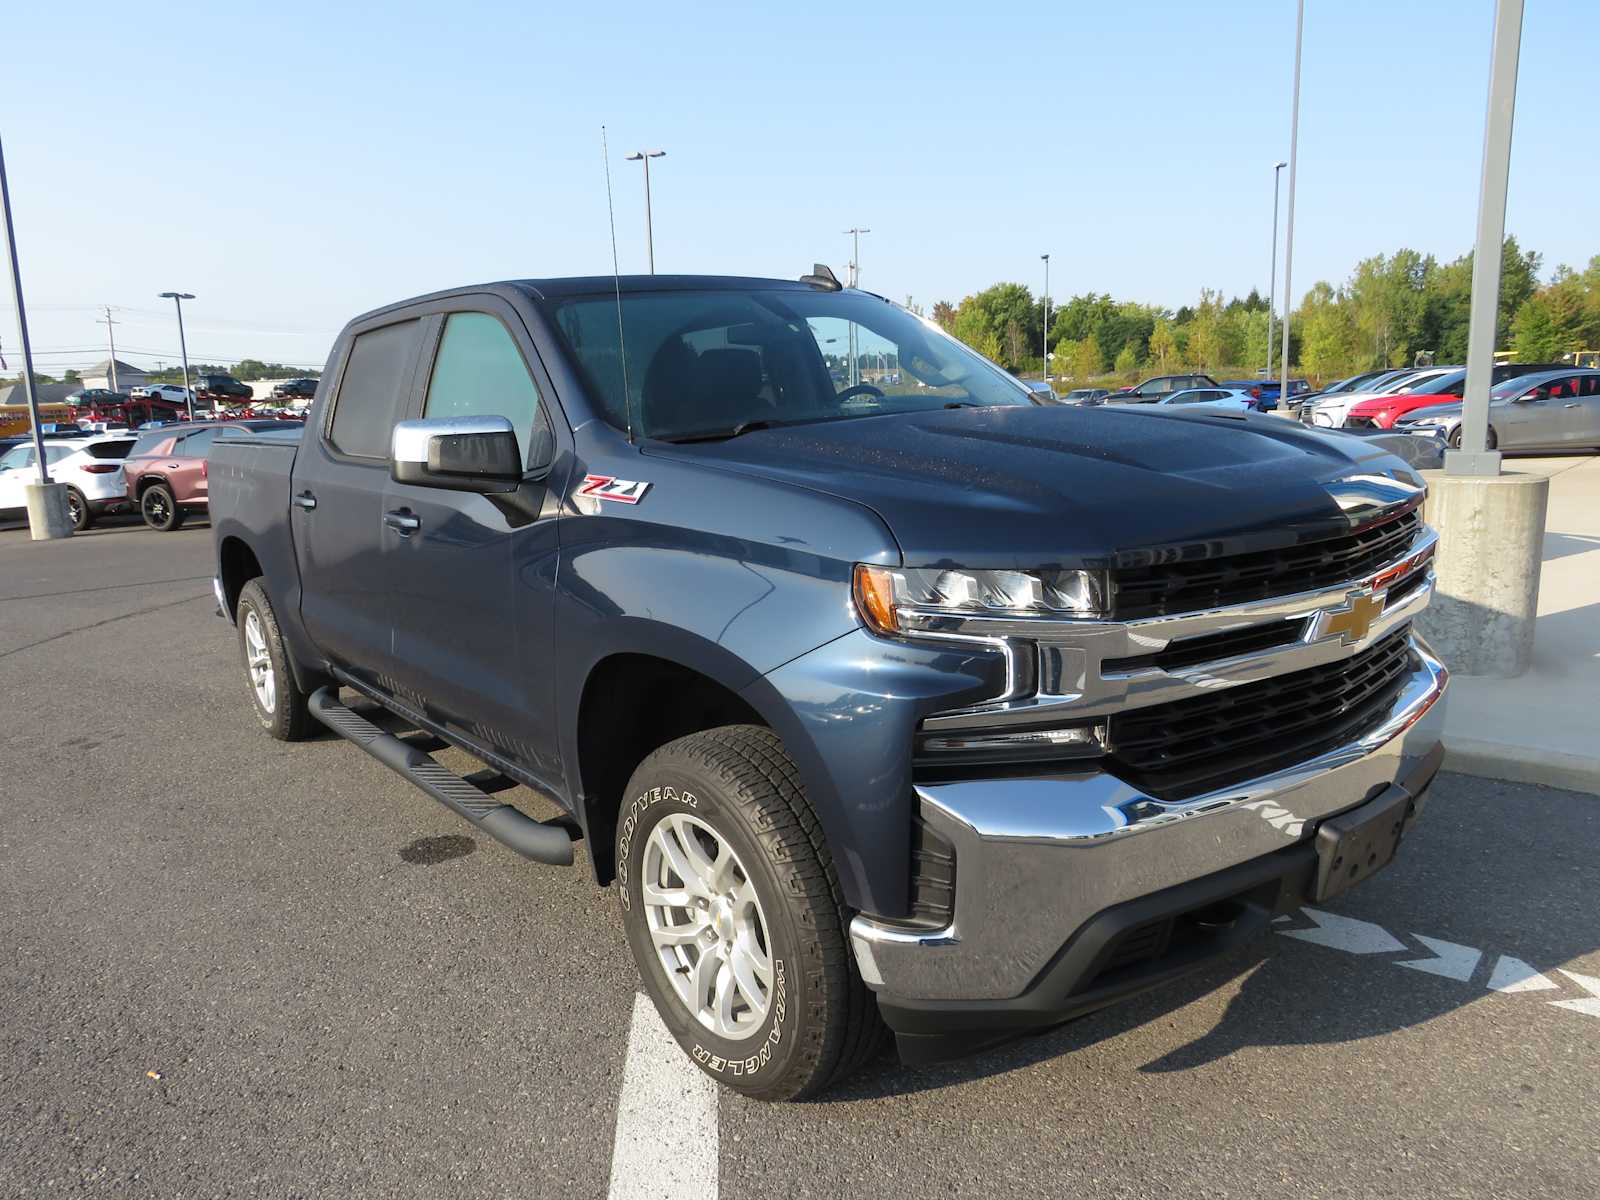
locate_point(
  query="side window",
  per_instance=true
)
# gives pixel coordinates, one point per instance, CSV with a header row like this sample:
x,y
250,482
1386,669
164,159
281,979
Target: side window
x,y
369,397
197,445
479,372
55,452
1591,385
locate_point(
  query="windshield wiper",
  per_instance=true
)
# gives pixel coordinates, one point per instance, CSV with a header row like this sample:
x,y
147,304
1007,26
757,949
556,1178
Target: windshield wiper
x,y
720,435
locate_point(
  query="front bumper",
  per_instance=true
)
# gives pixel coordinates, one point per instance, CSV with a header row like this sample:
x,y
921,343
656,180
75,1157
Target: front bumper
x,y
1042,861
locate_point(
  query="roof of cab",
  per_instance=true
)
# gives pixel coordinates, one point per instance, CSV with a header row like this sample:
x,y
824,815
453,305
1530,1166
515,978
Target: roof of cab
x,y
591,285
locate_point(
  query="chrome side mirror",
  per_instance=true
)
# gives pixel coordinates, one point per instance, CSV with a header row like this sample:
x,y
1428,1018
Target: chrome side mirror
x,y
465,454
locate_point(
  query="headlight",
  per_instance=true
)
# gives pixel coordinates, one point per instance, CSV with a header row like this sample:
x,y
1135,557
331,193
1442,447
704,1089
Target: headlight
x,y
899,600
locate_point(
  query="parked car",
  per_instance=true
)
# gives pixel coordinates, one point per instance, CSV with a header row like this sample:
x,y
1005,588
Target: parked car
x,y
1381,412
1330,412
90,466
1232,399
1088,397
875,707
295,389
215,388
1554,410
1040,390
166,474
1155,388
173,393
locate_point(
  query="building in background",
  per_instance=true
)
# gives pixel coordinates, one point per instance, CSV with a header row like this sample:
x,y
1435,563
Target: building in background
x,y
128,376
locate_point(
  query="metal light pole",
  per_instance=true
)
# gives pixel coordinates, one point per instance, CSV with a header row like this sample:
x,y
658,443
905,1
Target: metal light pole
x,y
645,156
1474,457
40,528
177,299
1272,285
855,278
1046,258
1288,241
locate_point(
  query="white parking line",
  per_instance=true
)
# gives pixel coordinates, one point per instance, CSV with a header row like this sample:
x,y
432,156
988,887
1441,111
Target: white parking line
x,y
666,1141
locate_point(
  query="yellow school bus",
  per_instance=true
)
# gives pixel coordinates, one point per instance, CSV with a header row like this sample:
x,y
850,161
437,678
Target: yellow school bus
x,y
14,417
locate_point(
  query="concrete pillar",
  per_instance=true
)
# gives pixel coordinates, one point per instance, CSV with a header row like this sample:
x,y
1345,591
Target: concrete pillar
x,y
1491,543
47,510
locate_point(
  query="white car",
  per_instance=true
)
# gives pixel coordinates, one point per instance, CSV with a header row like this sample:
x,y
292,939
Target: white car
x,y
1230,399
162,391
90,466
1330,413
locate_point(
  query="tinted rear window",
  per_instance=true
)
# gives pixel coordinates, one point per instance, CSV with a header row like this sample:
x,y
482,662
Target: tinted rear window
x,y
110,449
370,392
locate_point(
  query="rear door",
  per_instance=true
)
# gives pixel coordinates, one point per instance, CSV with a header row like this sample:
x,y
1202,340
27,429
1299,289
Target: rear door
x,y
472,578
1580,412
186,468
336,501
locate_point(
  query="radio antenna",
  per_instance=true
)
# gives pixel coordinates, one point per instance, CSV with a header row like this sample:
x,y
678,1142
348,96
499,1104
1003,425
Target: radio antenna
x,y
616,275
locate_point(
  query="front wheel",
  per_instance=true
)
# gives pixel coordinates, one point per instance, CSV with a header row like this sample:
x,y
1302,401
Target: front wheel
x,y
1492,441
733,912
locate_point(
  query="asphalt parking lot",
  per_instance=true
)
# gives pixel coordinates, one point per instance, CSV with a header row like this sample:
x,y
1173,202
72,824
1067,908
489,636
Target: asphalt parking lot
x,y
236,968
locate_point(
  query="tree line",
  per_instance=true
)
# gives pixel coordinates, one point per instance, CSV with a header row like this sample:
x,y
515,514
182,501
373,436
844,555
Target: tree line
x,y
1391,308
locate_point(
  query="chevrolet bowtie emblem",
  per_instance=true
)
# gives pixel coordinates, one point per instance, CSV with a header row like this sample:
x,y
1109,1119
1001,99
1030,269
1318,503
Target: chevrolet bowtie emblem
x,y
1354,620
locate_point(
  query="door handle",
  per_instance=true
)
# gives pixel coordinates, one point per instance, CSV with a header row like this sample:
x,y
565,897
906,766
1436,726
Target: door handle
x,y
1569,406
306,501
402,522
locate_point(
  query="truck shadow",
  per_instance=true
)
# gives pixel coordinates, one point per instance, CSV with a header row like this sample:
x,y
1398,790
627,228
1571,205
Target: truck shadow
x,y
1495,870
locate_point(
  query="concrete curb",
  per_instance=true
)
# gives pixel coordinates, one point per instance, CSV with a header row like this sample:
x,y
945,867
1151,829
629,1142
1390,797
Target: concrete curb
x,y
1523,764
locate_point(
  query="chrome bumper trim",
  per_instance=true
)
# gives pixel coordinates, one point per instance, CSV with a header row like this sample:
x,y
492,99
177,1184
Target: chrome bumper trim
x,y
1037,857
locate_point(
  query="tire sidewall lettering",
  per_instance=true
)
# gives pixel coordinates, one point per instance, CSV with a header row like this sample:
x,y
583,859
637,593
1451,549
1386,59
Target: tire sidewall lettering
x,y
630,824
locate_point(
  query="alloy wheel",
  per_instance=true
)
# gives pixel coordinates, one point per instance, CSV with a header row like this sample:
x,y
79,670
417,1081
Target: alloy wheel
x,y
707,926
259,663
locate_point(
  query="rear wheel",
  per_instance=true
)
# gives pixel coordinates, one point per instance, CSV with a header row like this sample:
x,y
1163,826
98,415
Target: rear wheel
x,y
78,510
280,705
733,912
159,509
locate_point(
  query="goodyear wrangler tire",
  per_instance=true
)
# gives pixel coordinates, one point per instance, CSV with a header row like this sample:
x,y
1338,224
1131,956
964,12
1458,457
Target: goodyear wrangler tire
x,y
733,913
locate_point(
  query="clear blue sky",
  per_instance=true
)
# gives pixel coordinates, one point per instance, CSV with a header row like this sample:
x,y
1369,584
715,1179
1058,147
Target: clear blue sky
x,y
293,164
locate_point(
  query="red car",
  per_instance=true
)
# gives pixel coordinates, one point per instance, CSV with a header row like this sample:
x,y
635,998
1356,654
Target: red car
x,y
166,469
1382,411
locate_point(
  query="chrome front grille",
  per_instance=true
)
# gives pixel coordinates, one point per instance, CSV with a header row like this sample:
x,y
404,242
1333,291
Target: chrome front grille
x,y
1197,583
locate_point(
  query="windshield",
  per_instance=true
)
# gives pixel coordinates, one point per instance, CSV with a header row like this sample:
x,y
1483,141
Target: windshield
x,y
1442,384
714,363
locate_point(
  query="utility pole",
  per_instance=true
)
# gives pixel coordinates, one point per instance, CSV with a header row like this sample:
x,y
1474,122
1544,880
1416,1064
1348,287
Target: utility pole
x,y
47,508
645,156
1288,241
112,338
854,375
1046,258
177,299
1272,284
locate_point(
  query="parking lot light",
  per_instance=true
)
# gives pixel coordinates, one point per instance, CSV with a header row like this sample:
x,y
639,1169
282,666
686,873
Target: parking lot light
x,y
1288,239
177,299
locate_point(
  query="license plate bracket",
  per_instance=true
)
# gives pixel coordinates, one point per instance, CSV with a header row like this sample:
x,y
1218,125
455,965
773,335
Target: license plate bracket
x,y
1359,843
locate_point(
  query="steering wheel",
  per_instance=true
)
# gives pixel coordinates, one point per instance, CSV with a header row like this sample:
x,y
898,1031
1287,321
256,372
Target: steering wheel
x,y
861,389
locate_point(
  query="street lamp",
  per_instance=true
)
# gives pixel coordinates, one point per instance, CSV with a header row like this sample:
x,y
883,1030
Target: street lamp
x,y
854,235
177,299
1288,241
645,156
1272,284
1046,258
47,507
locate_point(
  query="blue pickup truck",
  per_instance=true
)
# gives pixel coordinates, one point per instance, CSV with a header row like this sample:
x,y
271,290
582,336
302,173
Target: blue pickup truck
x,y
885,697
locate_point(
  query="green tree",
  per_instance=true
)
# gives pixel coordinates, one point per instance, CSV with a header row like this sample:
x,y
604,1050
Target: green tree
x,y
944,314
1163,342
1535,337
71,376
1087,361
1326,331
1127,360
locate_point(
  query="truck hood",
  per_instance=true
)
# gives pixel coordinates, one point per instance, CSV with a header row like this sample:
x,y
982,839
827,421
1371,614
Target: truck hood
x,y
1066,486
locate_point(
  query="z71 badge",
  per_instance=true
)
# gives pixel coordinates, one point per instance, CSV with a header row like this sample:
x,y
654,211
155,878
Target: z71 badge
x,y
604,487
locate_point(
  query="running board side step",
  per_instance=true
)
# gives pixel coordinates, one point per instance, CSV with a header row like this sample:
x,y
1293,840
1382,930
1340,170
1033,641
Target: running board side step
x,y
543,842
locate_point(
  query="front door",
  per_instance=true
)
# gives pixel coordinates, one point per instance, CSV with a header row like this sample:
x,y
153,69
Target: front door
x,y
336,501
1580,413
472,577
